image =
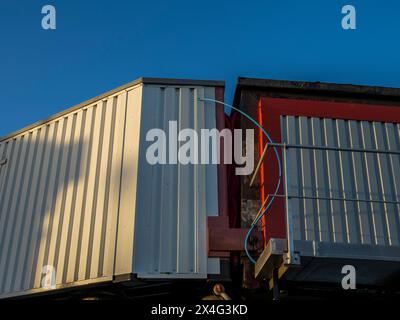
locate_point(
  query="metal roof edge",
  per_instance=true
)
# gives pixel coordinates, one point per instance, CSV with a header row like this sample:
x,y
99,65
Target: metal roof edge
x,y
182,82
324,88
60,288
141,80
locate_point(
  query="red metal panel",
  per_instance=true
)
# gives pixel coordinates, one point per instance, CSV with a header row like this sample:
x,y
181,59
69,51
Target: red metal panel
x,y
272,224
222,237
225,234
270,111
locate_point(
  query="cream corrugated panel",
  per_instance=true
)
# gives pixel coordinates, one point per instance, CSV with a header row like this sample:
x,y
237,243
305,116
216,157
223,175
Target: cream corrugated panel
x,y
59,197
173,207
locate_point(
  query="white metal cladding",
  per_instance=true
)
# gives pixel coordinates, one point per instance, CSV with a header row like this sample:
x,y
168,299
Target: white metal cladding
x,y
59,197
343,174
174,200
76,191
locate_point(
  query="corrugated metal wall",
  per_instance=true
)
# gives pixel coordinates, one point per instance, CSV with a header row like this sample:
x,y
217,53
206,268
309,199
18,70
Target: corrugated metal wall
x,y
59,197
77,193
174,199
333,174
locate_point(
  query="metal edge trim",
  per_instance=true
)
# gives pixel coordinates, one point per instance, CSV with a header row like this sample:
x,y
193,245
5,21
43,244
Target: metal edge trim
x,y
244,83
142,80
59,287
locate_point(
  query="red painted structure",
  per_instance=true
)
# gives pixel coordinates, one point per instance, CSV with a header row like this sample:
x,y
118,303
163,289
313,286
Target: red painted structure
x,y
270,110
224,232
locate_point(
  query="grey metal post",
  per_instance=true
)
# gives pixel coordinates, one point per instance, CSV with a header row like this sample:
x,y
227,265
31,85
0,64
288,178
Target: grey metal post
x,y
291,257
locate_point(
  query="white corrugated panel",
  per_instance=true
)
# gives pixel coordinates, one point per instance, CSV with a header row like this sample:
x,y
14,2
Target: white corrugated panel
x,y
174,199
59,198
77,193
344,175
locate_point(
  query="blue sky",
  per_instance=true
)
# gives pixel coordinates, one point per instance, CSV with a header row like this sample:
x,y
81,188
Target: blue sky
x,y
99,45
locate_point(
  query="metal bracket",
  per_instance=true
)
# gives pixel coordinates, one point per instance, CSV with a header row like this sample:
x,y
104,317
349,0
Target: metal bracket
x,y
3,162
291,259
274,284
253,178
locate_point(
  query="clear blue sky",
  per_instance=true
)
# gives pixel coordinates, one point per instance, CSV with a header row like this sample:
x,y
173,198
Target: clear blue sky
x,y
99,45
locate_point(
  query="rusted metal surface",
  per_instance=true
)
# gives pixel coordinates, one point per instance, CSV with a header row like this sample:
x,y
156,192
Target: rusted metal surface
x,y
222,238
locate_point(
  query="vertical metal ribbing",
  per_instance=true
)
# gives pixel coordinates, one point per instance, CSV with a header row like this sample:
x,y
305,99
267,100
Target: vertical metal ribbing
x,y
155,101
289,223
186,175
295,138
110,166
21,209
322,213
347,175
325,185
173,101
59,206
193,218
163,187
69,197
201,116
197,177
25,226
66,191
358,165
328,186
382,181
167,253
302,176
6,197
7,192
207,179
39,209
148,209
46,209
102,174
8,153
313,181
95,196
333,182
82,202
343,183
393,162
43,204
295,187
70,233
307,180
116,181
349,184
178,248
12,212
3,162
90,199
60,194
370,168
5,147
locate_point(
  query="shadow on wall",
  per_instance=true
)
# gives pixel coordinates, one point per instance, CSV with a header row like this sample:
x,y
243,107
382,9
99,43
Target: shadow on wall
x,y
59,198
